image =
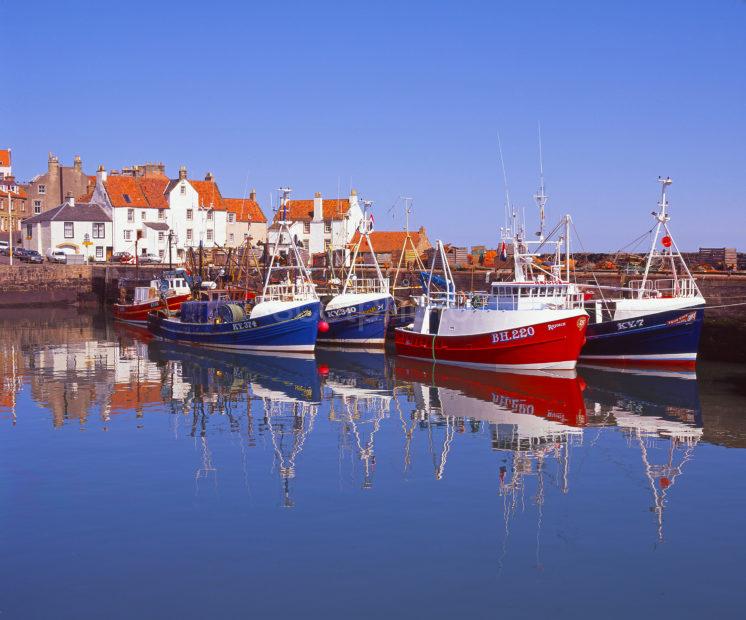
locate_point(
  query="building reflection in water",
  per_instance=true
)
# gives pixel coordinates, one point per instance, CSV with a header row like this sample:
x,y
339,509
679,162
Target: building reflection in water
x,y
81,369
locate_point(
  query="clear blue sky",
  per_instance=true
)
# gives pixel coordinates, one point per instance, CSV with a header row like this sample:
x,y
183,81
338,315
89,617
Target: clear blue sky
x,y
401,98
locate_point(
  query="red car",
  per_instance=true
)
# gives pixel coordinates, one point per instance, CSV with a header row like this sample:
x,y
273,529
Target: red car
x,y
124,258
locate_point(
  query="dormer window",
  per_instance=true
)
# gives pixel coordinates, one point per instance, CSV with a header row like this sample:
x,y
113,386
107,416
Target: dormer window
x,y
127,198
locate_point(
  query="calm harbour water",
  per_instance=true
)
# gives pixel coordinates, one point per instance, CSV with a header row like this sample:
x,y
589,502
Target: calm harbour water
x,y
142,479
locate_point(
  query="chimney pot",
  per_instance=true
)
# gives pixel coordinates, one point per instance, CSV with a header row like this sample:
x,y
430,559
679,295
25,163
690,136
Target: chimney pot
x,y
77,163
209,177
252,195
70,199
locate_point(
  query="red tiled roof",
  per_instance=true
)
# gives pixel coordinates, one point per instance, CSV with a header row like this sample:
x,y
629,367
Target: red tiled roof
x,y
302,210
125,191
143,192
246,210
4,157
153,188
387,241
209,194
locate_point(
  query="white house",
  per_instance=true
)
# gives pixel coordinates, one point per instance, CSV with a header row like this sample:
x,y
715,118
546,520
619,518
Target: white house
x,y
148,209
84,228
245,218
319,224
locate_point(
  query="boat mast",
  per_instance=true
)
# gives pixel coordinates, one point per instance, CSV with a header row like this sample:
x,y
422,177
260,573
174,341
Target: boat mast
x,y
662,220
540,196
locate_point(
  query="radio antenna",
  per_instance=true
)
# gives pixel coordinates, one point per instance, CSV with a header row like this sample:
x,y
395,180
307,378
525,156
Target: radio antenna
x,y
540,196
505,180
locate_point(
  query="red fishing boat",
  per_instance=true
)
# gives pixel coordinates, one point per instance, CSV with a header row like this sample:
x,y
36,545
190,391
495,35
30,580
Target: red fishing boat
x,y
525,324
169,291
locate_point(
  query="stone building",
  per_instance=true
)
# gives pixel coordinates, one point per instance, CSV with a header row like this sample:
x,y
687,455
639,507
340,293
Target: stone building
x,y
13,204
47,191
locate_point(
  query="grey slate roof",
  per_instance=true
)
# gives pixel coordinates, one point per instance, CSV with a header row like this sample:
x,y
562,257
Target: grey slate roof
x,y
80,212
156,225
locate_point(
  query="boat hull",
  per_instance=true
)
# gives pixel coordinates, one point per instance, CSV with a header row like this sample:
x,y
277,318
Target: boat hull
x,y
669,338
137,314
552,344
291,330
361,323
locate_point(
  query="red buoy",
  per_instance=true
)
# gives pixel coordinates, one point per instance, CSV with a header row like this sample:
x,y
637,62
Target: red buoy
x,y
323,327
666,241
664,482
323,370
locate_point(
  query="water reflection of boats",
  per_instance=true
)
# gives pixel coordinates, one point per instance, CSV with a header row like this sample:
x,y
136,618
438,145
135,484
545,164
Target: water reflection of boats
x,y
287,376
556,396
659,413
360,401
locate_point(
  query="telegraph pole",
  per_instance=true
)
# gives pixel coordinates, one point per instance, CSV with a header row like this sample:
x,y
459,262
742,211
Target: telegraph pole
x,y
10,227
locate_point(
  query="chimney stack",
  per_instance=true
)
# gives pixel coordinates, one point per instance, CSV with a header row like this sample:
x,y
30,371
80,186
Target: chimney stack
x,y
101,174
52,164
78,163
209,177
252,195
69,199
318,207
182,173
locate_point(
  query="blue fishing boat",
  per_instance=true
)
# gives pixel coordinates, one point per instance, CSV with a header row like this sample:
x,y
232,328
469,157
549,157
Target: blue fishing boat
x,y
284,318
652,320
360,313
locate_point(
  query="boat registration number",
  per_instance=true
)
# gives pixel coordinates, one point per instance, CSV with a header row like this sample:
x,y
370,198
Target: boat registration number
x,y
513,334
244,325
630,324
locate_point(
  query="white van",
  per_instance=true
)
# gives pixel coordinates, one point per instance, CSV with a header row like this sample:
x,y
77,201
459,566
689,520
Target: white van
x,y
58,255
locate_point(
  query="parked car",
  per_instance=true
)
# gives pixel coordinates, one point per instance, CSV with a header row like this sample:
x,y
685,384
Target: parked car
x,y
150,258
125,258
32,256
58,255
4,248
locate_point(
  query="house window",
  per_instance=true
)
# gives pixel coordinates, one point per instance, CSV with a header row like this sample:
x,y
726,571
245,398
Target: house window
x,y
327,245
307,228
130,215
98,230
183,189
144,215
327,227
161,253
128,235
99,251
189,234
37,207
190,213
69,230
161,236
209,234
161,214
231,237
42,189
209,215
231,217
29,230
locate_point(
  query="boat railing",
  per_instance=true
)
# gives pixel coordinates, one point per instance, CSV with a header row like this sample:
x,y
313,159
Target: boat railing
x,y
289,291
368,285
525,297
443,299
665,287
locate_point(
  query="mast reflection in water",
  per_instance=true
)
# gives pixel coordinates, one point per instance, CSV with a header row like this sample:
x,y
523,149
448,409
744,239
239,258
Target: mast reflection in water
x,y
395,469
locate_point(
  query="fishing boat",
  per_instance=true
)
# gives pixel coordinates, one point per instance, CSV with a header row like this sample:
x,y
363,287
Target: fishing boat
x,y
284,318
167,292
652,320
530,323
360,313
